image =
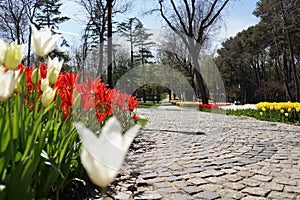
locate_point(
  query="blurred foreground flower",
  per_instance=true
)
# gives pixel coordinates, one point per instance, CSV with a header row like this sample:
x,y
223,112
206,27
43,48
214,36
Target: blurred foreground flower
x,y
43,41
8,82
103,156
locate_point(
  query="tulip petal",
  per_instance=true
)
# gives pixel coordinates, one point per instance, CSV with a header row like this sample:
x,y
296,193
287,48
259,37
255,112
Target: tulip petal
x,y
107,149
130,135
98,173
103,156
43,41
8,82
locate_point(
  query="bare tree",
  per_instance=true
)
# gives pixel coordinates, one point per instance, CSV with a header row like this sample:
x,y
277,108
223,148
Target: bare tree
x,y
13,20
97,24
193,20
15,16
31,11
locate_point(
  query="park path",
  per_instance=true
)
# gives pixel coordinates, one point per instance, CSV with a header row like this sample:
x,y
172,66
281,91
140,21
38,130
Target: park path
x,y
187,154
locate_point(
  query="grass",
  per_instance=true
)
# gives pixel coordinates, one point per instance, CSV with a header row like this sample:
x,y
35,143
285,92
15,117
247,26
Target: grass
x,y
253,114
148,104
142,122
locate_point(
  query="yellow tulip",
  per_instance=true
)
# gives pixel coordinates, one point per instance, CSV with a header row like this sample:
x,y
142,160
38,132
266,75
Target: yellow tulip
x,y
261,113
282,110
286,114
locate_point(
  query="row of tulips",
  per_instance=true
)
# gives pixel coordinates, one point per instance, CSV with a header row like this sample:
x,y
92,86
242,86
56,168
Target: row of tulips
x,y
212,106
280,111
270,111
40,145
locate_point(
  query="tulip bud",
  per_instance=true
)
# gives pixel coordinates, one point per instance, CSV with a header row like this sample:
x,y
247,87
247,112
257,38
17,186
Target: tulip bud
x,y
44,84
13,55
22,83
48,96
54,67
35,77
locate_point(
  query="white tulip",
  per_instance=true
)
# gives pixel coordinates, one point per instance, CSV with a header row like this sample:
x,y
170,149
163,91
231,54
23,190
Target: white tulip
x,y
3,47
54,67
44,84
103,156
48,96
13,55
8,82
43,41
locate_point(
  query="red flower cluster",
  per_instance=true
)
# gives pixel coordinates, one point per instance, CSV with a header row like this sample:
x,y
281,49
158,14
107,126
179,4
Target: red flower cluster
x,y
212,106
94,93
65,86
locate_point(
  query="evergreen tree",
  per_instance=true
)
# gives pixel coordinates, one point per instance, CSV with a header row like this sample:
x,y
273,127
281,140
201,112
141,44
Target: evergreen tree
x,y
144,45
49,15
130,30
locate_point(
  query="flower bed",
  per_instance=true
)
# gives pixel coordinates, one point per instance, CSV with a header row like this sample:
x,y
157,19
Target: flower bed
x,y
188,104
212,106
40,146
281,111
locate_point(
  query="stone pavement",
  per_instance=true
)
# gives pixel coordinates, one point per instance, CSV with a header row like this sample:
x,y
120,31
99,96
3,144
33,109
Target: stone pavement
x,y
187,154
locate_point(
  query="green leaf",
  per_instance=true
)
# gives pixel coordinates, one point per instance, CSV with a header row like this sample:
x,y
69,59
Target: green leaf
x,y
5,138
16,118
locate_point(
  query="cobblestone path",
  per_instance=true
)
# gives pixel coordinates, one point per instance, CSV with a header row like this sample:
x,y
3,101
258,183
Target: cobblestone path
x,y
187,154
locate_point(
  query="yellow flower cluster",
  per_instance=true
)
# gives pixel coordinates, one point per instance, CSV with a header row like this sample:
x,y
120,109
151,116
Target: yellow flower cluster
x,y
284,107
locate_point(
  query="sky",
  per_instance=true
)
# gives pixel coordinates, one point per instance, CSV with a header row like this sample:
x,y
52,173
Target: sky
x,y
237,17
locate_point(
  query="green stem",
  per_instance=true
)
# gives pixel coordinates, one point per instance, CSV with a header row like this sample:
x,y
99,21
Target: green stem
x,y
103,191
11,135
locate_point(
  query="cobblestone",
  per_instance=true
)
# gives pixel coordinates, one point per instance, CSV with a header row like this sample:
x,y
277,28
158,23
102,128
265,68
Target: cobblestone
x,y
207,195
187,154
256,191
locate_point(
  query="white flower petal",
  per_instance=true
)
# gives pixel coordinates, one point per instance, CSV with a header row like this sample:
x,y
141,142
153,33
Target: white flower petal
x,y
98,173
43,41
8,82
102,157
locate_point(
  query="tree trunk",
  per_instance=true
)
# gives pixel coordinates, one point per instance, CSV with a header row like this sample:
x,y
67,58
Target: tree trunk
x,y
109,35
101,50
285,77
201,85
29,47
291,51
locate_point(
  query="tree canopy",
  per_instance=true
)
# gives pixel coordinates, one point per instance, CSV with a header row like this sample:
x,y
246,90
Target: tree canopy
x,y
262,62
